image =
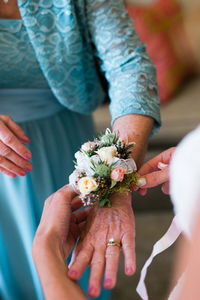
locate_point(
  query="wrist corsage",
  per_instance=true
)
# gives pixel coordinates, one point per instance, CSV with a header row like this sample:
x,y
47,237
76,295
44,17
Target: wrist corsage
x,y
103,167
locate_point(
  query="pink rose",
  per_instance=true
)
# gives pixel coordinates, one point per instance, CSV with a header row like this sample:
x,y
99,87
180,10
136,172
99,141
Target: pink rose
x,y
88,146
118,174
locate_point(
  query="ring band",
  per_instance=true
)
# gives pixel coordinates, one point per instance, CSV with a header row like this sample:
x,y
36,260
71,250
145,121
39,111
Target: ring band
x,y
112,242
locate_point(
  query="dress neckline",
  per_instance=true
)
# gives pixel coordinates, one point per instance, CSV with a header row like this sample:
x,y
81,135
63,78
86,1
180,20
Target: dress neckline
x,y
10,20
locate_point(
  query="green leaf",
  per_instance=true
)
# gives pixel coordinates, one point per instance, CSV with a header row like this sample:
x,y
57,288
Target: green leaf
x,y
104,202
113,183
85,152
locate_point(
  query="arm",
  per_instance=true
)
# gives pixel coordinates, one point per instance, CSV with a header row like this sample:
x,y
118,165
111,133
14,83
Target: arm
x,y
53,272
135,128
52,244
127,68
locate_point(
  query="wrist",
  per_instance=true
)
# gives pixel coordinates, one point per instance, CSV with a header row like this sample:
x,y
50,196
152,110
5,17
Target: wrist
x,y
45,245
135,128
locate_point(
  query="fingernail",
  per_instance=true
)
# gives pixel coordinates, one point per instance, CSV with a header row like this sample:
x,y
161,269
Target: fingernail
x,y
27,138
27,155
129,270
107,282
162,165
72,273
92,291
141,181
29,168
22,173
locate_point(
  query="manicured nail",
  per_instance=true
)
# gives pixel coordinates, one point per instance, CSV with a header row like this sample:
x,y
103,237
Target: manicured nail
x,y
72,273
129,270
107,282
27,155
92,291
162,165
29,168
141,181
22,173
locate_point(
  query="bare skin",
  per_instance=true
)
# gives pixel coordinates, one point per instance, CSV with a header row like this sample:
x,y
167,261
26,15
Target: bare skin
x,y
9,10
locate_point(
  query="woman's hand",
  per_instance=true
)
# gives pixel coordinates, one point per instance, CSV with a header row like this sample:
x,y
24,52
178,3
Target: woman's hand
x,y
155,172
102,224
56,235
59,228
14,156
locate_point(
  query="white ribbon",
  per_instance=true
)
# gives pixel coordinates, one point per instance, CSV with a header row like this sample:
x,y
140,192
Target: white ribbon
x,y
165,242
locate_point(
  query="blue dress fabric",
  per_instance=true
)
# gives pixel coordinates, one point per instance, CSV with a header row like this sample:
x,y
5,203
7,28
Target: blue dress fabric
x,y
49,84
56,133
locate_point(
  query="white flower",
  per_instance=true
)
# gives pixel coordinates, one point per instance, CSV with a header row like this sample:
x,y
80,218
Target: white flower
x,y
73,179
87,185
128,165
85,163
107,154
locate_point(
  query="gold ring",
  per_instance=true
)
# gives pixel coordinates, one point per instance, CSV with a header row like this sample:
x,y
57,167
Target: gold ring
x,y
112,242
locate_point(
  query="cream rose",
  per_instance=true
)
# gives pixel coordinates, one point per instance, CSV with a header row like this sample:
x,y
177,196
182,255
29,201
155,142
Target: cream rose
x,y
107,154
87,185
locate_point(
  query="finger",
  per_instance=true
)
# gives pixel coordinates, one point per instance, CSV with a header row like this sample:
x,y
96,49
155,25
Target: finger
x,y
10,167
6,172
156,178
113,252
141,181
128,246
142,191
112,262
66,194
152,165
9,139
16,129
76,203
81,215
97,270
165,188
81,262
7,152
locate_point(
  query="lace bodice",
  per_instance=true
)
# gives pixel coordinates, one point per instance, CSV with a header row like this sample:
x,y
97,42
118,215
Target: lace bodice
x,y
19,67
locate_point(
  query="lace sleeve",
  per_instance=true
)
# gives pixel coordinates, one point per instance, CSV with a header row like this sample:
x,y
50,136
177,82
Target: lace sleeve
x,y
127,66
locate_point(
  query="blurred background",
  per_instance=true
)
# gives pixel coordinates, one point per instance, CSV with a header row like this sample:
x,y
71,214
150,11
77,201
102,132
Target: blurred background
x,y
171,31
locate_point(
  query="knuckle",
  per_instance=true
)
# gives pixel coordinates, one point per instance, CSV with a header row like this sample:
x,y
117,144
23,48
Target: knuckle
x,y
85,256
6,151
9,139
97,262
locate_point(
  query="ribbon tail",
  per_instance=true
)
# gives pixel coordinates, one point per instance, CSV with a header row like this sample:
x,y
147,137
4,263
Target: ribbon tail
x,y
165,242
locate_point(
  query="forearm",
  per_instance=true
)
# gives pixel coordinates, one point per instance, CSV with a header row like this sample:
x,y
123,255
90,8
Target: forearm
x,y
135,128
53,273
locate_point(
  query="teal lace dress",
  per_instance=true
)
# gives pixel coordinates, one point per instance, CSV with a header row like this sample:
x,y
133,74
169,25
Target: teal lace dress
x,y
49,84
